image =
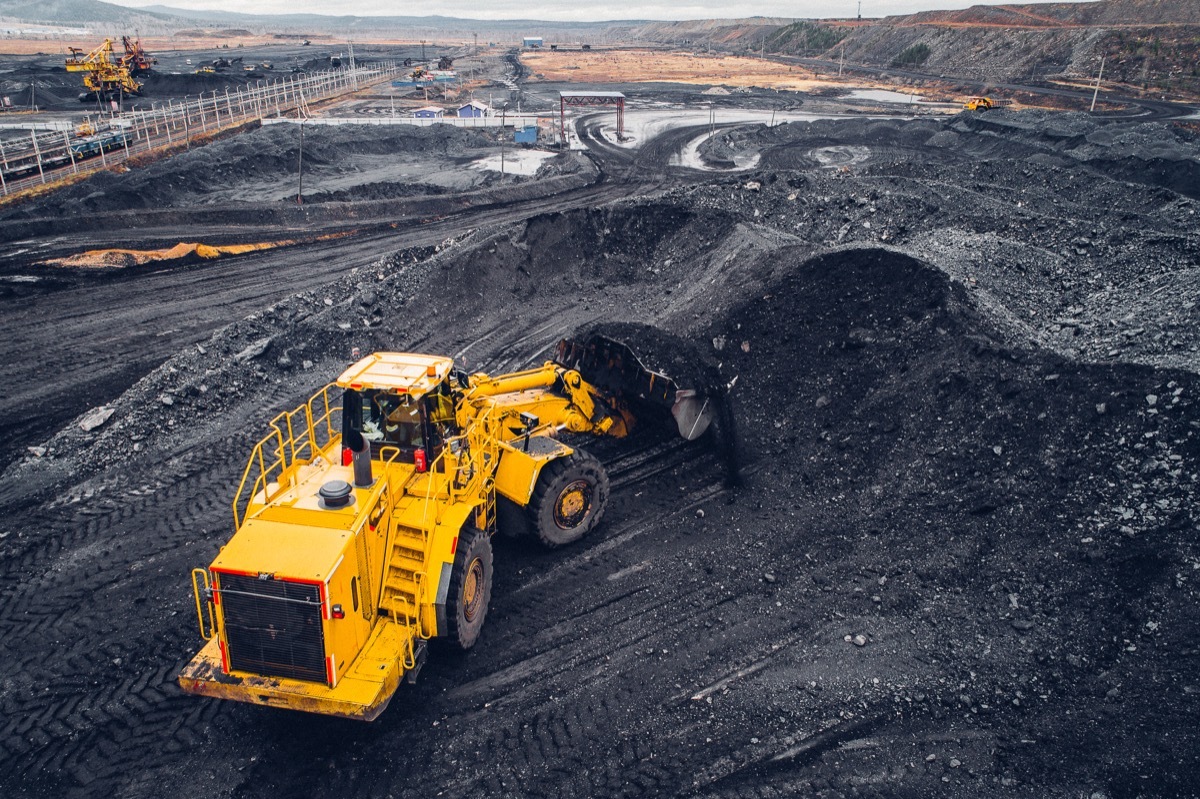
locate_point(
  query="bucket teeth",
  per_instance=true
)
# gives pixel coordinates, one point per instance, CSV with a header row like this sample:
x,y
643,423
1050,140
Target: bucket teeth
x,y
612,366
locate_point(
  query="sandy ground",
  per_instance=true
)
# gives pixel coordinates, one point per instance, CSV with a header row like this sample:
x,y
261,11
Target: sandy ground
x,y
635,66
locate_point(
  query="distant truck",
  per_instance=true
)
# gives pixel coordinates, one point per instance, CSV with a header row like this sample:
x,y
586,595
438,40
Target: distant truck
x,y
985,103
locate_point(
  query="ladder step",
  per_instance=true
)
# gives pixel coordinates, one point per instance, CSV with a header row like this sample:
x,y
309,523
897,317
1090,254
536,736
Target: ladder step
x,y
400,600
405,566
399,574
403,556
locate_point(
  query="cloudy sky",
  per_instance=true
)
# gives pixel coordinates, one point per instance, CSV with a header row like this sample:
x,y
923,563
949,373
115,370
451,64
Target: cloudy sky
x,y
575,11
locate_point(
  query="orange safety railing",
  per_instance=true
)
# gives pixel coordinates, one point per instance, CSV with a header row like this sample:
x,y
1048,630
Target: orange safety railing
x,y
297,438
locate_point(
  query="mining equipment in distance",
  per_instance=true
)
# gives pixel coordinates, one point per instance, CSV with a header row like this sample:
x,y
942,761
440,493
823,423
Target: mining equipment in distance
x,y
985,103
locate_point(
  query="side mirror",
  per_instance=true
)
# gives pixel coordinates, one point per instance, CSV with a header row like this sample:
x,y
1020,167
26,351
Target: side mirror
x,y
351,412
530,421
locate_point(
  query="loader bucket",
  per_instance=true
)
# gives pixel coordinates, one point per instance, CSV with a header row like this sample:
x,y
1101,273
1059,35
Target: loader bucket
x,y
611,365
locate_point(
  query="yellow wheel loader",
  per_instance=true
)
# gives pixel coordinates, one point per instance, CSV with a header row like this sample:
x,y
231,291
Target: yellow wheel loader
x,y
364,518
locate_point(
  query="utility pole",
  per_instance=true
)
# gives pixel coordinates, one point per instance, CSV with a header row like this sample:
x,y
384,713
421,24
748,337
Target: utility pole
x,y
38,154
842,63
187,133
422,49
476,35
300,169
1097,89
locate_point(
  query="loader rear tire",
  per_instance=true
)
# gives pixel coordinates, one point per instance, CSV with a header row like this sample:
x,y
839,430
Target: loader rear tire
x,y
569,499
470,589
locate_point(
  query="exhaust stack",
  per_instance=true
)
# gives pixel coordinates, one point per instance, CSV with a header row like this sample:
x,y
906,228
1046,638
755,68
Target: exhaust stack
x,y
360,452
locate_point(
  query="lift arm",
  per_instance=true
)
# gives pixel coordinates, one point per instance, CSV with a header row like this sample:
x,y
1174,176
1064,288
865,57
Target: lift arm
x,y
557,396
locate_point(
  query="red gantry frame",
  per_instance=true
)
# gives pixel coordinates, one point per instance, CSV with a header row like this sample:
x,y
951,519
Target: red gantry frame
x,y
591,99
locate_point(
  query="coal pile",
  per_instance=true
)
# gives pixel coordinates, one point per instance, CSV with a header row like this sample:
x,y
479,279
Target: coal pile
x,y
261,163
1155,154
998,479
963,562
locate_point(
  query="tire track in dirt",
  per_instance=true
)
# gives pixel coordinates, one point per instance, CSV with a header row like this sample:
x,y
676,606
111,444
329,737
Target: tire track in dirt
x,y
91,665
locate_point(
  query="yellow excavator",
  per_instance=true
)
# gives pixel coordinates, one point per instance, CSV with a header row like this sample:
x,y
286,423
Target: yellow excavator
x,y
364,518
105,76
136,59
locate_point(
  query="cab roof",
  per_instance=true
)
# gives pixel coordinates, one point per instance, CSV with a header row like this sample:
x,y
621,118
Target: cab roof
x,y
402,372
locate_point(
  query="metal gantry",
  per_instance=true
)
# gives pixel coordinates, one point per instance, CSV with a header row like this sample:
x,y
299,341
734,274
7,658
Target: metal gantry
x,y
591,99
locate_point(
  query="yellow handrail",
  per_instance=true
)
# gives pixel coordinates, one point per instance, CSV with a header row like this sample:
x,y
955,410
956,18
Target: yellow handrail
x,y
387,459
296,437
201,576
419,580
408,653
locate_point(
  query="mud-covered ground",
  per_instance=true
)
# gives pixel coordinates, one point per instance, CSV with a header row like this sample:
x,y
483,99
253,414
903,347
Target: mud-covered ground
x,y
964,562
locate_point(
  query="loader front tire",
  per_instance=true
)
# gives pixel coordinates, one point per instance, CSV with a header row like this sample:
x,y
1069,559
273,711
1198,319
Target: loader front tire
x,y
569,499
470,589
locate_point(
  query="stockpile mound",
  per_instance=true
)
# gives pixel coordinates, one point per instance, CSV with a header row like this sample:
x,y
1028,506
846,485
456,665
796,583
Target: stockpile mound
x,y
1155,154
172,85
267,158
1018,523
1095,269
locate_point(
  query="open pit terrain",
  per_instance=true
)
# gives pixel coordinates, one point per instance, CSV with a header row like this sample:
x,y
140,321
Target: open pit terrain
x,y
963,560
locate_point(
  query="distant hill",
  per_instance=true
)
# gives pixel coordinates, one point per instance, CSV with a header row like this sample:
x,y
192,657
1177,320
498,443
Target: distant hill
x,y
167,19
160,19
74,12
1047,15
1149,45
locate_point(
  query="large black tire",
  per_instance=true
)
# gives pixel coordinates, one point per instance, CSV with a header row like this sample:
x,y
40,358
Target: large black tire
x,y
569,499
470,589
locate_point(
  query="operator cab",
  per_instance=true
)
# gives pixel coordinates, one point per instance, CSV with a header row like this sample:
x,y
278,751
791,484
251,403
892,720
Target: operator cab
x,y
400,404
387,419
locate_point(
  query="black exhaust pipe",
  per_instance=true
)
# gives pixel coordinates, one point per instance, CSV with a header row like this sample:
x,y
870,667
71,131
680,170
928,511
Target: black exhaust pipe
x,y
360,451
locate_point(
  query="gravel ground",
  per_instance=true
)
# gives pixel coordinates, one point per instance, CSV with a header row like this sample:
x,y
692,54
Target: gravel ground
x,y
963,562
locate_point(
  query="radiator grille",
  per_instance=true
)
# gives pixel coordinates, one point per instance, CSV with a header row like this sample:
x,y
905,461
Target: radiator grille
x,y
273,627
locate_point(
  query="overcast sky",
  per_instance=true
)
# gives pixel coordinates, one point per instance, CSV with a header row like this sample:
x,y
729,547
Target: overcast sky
x,y
575,11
